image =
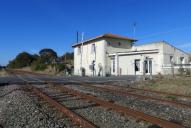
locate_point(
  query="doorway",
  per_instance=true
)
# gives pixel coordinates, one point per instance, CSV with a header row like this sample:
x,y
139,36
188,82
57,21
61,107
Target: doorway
x,y
137,66
148,66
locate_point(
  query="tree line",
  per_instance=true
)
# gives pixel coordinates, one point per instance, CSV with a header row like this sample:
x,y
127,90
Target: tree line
x,y
44,59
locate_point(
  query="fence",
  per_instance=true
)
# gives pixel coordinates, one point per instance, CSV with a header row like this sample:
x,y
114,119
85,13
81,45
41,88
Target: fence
x,y
177,68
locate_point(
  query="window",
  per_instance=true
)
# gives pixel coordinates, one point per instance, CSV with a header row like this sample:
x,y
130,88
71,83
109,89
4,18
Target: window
x,y
181,60
146,66
171,59
137,65
150,66
79,50
113,65
93,49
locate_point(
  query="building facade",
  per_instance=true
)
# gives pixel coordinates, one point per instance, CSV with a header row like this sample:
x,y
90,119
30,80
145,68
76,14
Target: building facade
x,y
111,54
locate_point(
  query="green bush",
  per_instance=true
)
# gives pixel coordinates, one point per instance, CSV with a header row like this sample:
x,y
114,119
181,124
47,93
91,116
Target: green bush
x,y
181,70
40,67
152,83
188,73
60,67
172,97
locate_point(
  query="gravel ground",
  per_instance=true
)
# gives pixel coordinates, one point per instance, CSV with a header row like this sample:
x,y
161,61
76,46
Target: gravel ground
x,y
174,114
101,117
19,109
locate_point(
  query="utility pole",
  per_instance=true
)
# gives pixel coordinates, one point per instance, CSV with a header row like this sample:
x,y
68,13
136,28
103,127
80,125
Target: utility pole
x,y
65,57
77,34
81,49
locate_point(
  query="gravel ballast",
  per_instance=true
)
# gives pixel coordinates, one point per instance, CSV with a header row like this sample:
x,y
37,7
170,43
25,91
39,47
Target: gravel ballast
x,y
100,116
164,111
20,110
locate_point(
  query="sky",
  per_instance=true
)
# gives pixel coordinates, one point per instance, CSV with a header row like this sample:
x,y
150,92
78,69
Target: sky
x,y
30,25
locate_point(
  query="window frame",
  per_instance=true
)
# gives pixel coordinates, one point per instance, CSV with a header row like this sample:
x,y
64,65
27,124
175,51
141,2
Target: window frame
x,y
93,48
79,50
138,67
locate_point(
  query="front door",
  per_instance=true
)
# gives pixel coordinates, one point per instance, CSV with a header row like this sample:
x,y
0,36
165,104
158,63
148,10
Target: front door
x,y
148,66
137,66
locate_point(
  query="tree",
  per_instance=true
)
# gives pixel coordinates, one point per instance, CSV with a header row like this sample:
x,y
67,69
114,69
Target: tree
x,y
67,57
36,57
47,55
23,59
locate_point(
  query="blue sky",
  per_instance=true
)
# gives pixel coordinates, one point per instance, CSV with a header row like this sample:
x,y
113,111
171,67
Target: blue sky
x,y
30,25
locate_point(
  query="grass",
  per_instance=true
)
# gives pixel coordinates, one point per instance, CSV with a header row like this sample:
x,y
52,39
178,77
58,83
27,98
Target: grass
x,y
172,97
180,85
3,73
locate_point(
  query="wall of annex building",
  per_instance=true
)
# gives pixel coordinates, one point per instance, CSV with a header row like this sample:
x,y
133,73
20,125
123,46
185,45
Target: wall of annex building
x,y
173,55
126,64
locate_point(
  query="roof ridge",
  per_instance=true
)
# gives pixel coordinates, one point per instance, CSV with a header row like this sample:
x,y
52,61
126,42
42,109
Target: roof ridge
x,y
106,35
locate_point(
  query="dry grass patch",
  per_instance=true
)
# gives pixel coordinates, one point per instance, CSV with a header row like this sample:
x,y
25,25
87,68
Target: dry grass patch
x,y
180,85
3,73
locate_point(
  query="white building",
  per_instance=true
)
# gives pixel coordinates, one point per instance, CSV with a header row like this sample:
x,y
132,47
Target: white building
x,y
111,54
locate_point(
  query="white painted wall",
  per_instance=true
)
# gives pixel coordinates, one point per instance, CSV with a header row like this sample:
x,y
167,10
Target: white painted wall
x,y
87,57
169,50
126,60
113,45
108,49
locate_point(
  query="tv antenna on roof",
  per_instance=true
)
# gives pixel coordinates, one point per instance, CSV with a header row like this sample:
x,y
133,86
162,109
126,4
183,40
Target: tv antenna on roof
x,y
77,36
134,29
82,36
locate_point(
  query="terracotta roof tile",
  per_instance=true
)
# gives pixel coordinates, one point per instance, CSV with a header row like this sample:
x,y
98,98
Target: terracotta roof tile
x,y
108,35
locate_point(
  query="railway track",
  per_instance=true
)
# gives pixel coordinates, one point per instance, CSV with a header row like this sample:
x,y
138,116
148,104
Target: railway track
x,y
117,87
121,109
133,89
141,97
110,106
81,121
77,119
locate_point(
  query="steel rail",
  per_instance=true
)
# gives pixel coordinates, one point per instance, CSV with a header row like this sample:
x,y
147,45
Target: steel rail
x,y
150,91
26,72
77,119
146,90
159,92
121,109
141,97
